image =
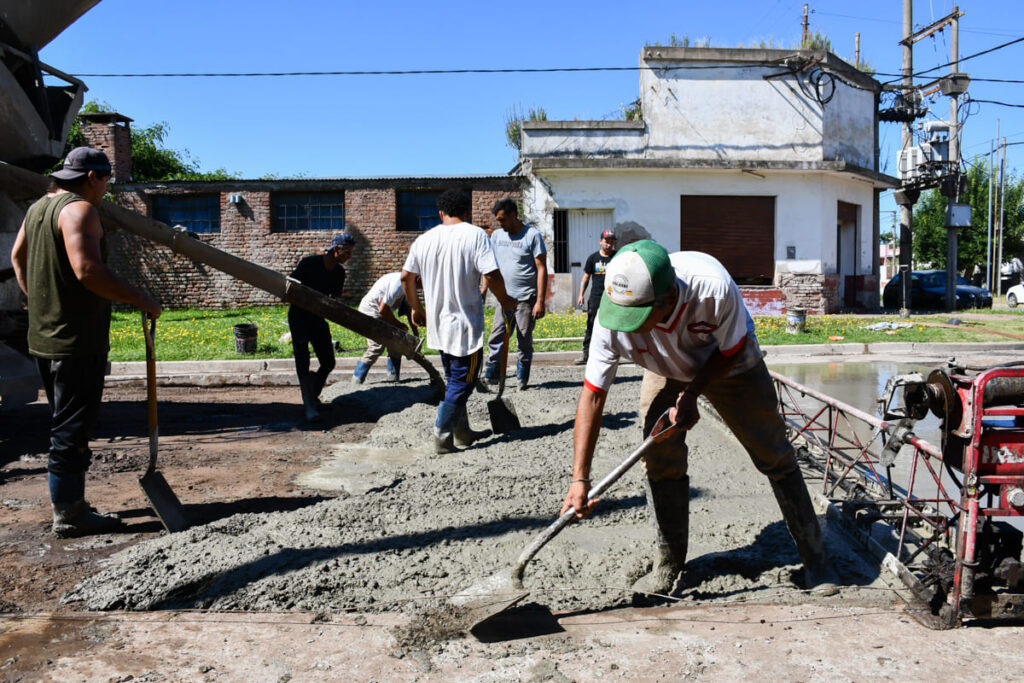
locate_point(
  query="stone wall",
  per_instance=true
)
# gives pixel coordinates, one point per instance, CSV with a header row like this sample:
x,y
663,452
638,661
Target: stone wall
x,y
246,231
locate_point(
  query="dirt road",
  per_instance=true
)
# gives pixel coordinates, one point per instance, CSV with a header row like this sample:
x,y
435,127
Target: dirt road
x,y
328,553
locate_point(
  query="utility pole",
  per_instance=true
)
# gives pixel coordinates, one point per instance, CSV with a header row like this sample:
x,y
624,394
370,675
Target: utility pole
x,y
906,199
988,217
803,33
954,166
856,50
1002,216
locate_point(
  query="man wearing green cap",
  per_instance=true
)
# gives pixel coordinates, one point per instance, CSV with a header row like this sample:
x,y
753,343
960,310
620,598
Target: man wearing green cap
x,y
682,319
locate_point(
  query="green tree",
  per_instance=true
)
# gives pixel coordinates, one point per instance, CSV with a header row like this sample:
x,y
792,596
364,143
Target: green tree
x,y
930,223
151,160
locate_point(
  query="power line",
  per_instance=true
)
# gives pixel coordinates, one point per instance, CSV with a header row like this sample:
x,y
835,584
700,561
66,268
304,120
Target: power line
x,y
964,59
417,72
1002,104
983,31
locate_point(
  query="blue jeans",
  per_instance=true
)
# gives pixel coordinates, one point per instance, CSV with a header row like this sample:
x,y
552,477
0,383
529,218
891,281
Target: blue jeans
x,y
460,373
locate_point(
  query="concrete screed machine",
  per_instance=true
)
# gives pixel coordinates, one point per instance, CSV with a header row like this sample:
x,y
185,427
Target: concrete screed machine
x,y
943,519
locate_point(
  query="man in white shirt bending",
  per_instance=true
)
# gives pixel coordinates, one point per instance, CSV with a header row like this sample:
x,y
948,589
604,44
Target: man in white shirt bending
x,y
682,319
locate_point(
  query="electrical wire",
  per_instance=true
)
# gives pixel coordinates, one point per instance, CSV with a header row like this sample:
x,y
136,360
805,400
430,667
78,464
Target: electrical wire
x,y
963,59
1001,104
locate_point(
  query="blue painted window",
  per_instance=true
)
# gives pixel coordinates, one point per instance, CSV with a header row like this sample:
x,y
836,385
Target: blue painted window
x,y
293,211
197,212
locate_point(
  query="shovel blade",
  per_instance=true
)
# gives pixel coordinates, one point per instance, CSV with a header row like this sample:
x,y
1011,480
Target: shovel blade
x,y
163,501
488,598
503,415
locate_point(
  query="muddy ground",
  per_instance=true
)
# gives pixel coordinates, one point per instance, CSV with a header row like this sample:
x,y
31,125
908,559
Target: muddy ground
x,y
330,551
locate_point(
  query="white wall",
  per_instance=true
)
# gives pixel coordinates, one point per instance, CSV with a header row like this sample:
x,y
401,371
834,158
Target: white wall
x,y
805,206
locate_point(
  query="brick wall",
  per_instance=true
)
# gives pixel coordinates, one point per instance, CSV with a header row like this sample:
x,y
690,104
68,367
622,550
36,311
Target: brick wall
x,y
817,293
111,135
246,232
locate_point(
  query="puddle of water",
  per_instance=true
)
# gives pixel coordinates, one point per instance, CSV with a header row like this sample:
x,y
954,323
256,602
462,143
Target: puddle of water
x,y
358,469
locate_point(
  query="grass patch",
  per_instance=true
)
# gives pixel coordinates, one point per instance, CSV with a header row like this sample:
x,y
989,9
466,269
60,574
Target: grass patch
x,y
193,334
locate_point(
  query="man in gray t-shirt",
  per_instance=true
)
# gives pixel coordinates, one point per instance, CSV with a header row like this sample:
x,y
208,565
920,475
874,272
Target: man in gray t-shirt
x,y
522,260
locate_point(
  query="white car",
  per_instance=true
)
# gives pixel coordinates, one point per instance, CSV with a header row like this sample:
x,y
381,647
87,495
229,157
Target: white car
x,y
1015,295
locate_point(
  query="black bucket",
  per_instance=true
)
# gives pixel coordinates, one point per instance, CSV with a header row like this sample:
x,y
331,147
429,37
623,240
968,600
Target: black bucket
x,y
245,338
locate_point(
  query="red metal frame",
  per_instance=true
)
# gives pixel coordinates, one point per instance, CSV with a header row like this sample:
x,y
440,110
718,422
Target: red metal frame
x,y
931,521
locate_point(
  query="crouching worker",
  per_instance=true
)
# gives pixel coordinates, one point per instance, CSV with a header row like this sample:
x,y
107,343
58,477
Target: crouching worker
x,y
449,260
385,301
324,273
682,319
58,259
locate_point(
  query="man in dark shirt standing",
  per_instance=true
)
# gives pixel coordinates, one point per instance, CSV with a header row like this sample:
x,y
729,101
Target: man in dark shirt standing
x,y
58,258
593,272
324,273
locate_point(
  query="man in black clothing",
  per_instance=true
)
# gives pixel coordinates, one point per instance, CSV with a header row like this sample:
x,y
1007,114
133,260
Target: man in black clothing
x,y
593,272
324,273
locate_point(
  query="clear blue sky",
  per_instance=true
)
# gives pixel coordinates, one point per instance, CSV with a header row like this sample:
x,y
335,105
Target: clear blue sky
x,y
335,126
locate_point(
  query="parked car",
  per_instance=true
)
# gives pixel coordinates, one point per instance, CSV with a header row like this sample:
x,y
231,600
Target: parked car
x,y
1015,295
928,292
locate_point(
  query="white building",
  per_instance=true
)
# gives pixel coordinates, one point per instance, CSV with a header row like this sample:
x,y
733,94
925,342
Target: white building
x,y
767,159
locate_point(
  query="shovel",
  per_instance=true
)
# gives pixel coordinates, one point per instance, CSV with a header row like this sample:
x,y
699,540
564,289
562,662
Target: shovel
x,y
161,498
504,589
501,411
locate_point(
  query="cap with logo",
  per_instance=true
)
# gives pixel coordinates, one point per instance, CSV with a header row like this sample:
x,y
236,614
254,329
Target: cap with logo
x,y
638,274
343,239
608,235
80,161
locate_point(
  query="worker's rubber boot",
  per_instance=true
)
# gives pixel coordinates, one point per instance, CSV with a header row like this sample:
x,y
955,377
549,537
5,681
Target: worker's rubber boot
x,y
491,370
668,506
444,427
523,374
359,373
394,368
309,401
79,519
464,434
795,503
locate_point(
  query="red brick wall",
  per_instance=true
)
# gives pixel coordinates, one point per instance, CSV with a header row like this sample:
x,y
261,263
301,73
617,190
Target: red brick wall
x,y
817,293
114,140
246,232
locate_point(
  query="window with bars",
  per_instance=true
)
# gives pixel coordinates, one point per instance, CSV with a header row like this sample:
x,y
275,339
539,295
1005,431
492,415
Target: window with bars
x,y
197,212
417,209
561,243
294,211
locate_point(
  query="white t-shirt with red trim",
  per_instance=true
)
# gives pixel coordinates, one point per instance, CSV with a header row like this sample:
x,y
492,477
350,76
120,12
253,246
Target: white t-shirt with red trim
x,y
709,314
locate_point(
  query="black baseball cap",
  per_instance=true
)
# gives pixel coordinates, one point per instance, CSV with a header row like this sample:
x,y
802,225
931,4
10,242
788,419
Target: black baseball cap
x,y
80,161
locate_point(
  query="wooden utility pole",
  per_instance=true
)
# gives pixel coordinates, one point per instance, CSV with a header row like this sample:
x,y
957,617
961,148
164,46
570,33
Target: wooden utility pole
x,y
988,217
998,268
856,50
803,32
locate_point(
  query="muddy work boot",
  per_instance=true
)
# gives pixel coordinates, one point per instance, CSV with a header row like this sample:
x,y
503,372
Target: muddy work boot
x,y
491,372
359,373
79,519
463,433
444,428
394,368
310,403
668,506
795,503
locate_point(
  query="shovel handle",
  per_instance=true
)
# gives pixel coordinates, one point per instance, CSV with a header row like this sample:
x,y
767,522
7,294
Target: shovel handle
x,y
149,331
662,430
509,319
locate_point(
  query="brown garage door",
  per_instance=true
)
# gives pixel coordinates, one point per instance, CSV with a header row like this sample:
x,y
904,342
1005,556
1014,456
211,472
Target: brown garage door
x,y
738,231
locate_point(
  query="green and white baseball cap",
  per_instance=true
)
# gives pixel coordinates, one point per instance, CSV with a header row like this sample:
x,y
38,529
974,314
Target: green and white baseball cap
x,y
638,274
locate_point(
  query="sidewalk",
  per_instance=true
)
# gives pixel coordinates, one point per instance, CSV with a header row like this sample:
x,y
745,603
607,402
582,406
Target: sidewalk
x,y
281,371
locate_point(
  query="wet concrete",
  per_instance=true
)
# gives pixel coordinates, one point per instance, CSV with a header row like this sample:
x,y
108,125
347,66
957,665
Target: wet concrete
x,y
408,528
